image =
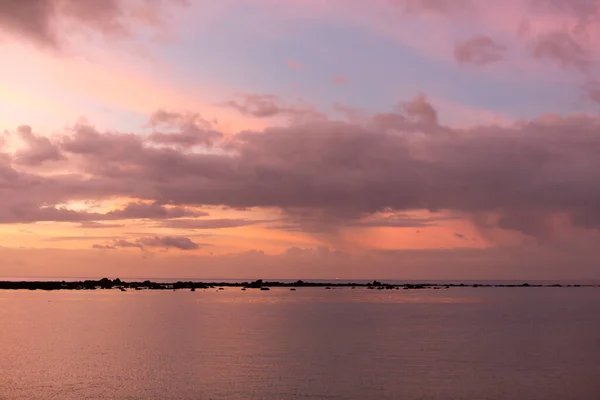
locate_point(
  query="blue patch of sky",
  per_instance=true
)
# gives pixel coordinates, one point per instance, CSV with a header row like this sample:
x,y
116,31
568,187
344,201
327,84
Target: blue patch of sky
x,y
380,71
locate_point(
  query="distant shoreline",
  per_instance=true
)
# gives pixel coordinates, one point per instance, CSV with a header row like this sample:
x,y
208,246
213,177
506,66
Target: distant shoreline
x,y
106,283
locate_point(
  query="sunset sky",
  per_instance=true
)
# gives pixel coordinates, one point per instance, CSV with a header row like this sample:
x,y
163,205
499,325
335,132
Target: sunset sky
x,y
351,139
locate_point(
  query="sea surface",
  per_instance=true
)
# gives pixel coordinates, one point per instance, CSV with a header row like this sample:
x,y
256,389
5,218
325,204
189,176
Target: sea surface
x,y
313,343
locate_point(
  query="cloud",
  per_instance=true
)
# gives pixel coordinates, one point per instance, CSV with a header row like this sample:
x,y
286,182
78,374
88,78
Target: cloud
x,y
592,90
258,105
221,223
436,6
189,129
340,80
578,261
561,47
177,242
331,173
295,64
126,244
76,238
44,21
38,149
269,106
103,247
398,221
140,210
478,50
29,211
583,11
321,222
99,225
164,242
420,110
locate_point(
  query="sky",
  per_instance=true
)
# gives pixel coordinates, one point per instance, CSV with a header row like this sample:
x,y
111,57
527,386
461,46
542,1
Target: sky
x,y
297,139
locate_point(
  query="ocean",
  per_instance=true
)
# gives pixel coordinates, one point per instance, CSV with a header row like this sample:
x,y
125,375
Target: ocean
x,y
312,343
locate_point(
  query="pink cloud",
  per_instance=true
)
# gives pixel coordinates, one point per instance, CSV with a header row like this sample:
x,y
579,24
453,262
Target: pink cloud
x,y
295,64
38,149
164,242
421,110
479,50
271,106
324,175
45,22
340,80
562,48
184,129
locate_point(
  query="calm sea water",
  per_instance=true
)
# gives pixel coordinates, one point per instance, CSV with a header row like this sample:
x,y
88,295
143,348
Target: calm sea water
x,y
463,343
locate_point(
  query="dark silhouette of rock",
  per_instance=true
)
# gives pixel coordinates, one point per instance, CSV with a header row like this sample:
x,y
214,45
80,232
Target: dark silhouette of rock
x,y
415,286
106,283
256,284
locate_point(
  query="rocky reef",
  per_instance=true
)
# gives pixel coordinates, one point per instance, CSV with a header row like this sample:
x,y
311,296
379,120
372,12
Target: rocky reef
x,y
106,283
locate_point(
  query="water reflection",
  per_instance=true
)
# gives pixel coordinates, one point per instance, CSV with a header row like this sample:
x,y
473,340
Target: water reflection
x,y
311,343
338,295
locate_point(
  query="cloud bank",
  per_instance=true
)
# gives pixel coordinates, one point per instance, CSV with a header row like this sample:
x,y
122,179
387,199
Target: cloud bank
x,y
341,171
